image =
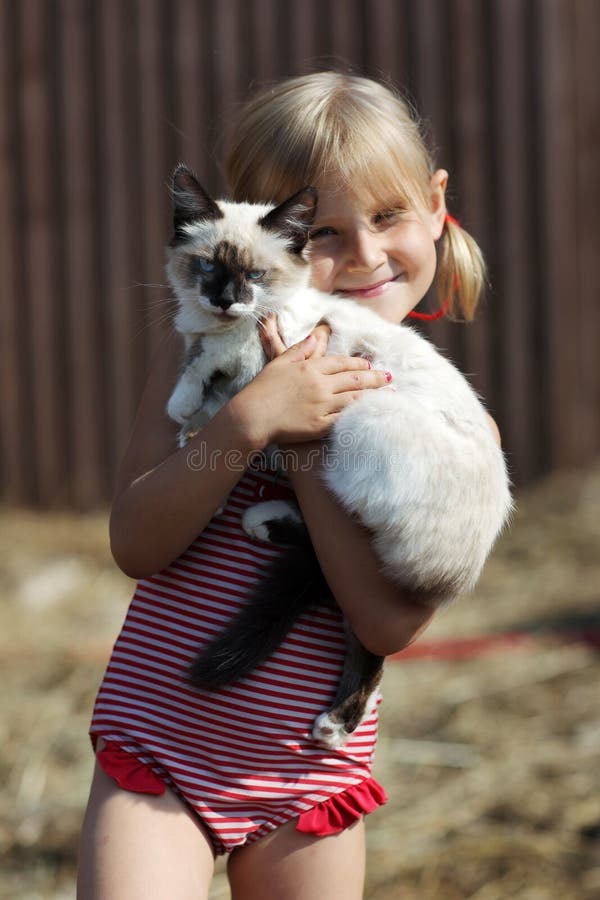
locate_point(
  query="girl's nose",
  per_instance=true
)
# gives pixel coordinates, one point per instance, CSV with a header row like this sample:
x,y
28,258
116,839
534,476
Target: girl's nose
x,y
365,251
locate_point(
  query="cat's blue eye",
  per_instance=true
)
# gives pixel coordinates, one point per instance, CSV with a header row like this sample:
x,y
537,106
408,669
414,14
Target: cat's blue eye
x,y
256,274
204,265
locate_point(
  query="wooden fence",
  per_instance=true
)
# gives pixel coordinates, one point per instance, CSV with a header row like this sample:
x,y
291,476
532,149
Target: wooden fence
x,y
100,98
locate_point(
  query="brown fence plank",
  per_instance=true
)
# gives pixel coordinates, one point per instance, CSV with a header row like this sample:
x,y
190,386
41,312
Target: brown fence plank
x,y
559,228
262,41
155,169
301,21
16,476
191,109
119,223
82,294
385,40
46,343
346,21
468,193
587,30
517,314
428,44
227,50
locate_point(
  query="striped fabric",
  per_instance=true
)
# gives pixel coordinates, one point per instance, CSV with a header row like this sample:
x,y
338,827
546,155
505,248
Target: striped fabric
x,y
241,757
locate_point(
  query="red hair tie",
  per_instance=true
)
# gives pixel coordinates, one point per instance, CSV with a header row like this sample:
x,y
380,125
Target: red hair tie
x,y
431,317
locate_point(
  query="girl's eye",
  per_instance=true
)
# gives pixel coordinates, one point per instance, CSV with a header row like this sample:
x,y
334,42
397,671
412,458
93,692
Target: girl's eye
x,y
204,265
256,274
325,231
386,217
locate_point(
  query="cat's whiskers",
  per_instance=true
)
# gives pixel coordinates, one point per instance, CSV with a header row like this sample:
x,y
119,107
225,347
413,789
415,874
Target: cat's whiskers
x,y
254,314
258,318
262,310
153,324
160,302
168,304
150,284
163,301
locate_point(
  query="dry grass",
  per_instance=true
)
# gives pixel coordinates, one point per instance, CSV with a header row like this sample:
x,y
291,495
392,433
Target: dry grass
x,y
491,763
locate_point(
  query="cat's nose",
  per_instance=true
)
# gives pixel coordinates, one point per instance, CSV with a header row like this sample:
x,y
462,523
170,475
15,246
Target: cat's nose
x,y
226,296
222,302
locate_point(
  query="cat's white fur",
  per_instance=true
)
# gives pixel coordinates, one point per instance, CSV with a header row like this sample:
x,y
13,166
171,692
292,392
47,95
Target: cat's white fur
x,y
415,461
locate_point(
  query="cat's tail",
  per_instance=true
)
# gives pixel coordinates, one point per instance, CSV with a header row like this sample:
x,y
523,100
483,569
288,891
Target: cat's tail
x,y
293,584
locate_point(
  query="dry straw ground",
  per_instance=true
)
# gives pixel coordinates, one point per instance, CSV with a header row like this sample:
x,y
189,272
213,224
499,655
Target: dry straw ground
x,y
491,761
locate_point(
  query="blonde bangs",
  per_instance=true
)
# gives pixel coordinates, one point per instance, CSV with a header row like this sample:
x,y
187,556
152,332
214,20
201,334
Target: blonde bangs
x,y
375,172
335,128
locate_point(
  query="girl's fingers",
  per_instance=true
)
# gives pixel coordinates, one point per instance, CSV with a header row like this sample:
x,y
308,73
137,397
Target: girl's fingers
x,y
313,345
359,380
332,365
321,333
300,351
270,337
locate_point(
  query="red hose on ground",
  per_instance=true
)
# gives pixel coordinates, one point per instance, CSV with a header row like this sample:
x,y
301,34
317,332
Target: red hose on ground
x,y
481,645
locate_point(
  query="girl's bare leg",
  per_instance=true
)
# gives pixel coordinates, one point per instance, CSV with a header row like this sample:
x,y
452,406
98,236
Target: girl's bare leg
x,y
289,865
141,847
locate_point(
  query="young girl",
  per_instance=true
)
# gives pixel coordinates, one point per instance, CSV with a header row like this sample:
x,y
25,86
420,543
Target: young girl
x,y
180,775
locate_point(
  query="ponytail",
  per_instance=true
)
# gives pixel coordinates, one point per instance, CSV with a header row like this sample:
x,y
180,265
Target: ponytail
x,y
461,271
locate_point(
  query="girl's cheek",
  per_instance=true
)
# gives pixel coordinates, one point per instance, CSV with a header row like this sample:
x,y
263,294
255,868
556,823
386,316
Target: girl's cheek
x,y
322,275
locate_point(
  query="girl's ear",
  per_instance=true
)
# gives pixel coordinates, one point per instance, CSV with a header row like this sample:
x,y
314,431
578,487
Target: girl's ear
x,y
438,184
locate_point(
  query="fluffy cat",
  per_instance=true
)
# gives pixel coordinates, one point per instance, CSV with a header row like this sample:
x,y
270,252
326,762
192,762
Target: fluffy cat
x,y
414,461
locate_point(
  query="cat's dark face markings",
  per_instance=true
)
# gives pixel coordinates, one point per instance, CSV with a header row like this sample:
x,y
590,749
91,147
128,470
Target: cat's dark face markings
x,y
226,277
232,261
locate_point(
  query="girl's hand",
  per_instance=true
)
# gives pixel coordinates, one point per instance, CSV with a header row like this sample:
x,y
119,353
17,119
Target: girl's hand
x,y
274,346
299,395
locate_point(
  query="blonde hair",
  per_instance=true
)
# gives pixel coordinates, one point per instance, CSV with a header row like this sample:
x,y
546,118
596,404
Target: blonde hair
x,y
364,136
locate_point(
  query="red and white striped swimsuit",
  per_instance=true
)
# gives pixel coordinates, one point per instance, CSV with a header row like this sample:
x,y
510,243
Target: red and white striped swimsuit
x,y
242,757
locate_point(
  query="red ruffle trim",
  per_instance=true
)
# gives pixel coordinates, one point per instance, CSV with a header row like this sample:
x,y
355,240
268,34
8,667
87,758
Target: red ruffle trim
x,y
342,810
129,772
329,817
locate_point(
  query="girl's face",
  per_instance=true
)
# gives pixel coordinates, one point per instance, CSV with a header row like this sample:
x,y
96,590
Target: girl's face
x,y
382,258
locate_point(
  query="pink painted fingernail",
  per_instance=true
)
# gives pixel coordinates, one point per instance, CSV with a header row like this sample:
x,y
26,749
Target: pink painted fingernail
x,y
388,376
369,364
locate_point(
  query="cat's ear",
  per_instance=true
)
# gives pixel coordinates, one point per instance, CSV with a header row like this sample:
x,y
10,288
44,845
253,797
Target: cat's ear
x,y
293,218
191,203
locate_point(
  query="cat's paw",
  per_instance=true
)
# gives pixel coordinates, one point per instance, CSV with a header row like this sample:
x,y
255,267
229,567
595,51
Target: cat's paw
x,y
186,433
256,519
183,403
329,732
329,728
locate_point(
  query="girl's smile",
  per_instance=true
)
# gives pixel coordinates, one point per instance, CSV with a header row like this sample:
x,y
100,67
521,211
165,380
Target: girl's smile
x,y
374,290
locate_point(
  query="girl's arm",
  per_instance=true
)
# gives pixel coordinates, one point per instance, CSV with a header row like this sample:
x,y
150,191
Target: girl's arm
x,y
165,496
381,616
161,502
